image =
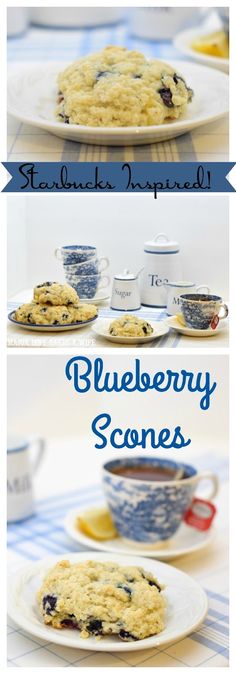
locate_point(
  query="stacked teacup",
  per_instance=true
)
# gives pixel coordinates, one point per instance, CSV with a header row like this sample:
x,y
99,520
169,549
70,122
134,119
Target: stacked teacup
x,y
83,269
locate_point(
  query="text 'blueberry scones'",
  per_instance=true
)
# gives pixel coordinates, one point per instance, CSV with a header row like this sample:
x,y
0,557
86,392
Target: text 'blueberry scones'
x,y
101,599
118,87
54,304
130,326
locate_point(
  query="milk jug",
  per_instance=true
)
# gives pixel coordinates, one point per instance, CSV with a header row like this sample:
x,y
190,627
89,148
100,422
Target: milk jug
x,y
162,264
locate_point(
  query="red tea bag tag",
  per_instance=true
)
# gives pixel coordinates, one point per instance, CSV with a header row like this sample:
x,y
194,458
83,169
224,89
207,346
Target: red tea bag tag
x,y
214,322
200,514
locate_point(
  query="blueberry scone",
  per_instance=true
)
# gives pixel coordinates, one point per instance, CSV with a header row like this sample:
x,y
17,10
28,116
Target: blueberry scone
x,y
85,312
44,314
102,598
118,87
54,293
130,326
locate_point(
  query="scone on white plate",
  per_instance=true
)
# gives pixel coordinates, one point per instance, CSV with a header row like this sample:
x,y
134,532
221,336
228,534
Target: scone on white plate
x,y
117,87
102,599
130,326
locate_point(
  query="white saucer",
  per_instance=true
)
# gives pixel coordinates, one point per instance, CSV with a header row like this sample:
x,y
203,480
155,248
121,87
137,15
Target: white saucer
x,y
102,330
173,323
186,604
99,298
32,94
186,540
183,43
49,328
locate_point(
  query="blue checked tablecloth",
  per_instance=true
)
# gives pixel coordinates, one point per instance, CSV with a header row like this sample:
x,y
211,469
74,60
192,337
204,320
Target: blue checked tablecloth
x,y
19,337
26,143
44,534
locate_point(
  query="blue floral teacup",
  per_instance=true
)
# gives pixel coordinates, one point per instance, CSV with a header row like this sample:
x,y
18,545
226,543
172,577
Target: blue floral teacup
x,y
149,511
74,254
202,311
87,286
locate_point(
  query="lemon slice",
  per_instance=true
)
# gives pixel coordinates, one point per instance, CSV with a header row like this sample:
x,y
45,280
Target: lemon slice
x,y
214,44
97,523
180,319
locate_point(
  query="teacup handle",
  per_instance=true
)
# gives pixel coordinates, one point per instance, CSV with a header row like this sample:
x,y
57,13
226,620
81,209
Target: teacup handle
x,y
106,261
104,282
225,311
199,289
56,253
212,477
40,449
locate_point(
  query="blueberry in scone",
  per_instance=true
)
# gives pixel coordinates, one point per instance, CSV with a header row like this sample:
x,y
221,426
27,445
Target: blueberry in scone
x,y
55,293
118,87
102,598
130,326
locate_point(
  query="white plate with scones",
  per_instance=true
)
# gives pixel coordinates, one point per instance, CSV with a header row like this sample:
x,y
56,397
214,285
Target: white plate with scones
x,y
33,94
54,307
49,328
102,327
177,603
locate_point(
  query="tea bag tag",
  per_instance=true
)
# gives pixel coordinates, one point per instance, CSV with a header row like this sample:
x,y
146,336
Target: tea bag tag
x,y
200,514
214,322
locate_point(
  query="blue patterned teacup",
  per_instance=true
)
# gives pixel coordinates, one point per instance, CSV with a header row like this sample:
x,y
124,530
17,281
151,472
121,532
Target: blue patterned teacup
x,y
87,286
93,266
149,511
75,253
201,311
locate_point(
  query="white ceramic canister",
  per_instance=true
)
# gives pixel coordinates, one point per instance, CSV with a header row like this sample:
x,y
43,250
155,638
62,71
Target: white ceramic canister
x,y
125,292
162,264
21,467
177,288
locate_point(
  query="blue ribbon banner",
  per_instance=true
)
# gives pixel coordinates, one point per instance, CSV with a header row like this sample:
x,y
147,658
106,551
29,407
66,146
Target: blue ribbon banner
x,y
156,178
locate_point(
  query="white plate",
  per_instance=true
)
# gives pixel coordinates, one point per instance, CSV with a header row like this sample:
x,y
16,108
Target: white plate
x,y
102,330
183,42
32,94
186,604
99,298
173,323
186,540
50,328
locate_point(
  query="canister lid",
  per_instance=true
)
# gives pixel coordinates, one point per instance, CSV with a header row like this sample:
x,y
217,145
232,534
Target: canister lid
x,y
126,275
161,244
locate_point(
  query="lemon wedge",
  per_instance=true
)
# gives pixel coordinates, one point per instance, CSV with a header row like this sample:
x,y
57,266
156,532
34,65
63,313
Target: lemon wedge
x,y
214,44
180,319
97,523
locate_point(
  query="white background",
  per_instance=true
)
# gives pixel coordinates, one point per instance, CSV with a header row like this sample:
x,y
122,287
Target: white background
x,y
118,225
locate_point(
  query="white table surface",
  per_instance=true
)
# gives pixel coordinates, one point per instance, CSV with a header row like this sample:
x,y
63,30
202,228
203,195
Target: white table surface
x,y
27,541
85,337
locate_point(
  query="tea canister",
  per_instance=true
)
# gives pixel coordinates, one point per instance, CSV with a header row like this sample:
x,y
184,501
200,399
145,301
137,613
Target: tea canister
x,y
162,264
125,292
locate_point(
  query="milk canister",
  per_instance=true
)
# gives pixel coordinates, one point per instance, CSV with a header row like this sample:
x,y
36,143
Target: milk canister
x,y
162,265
